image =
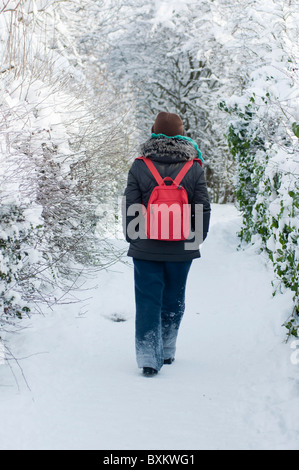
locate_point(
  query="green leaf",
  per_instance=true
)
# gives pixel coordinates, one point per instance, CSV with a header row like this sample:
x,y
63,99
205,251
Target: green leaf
x,y
295,128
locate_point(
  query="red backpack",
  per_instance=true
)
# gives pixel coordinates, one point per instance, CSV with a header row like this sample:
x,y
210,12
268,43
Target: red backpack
x,y
168,212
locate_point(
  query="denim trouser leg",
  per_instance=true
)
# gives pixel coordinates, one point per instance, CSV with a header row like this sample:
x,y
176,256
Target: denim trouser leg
x,y
160,300
149,286
173,304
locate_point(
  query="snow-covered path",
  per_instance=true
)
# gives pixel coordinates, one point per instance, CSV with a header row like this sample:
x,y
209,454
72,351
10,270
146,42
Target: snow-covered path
x,y
233,384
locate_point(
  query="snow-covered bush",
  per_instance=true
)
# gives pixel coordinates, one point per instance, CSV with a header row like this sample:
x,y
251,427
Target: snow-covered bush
x,y
262,132
17,249
63,143
21,231
262,138
280,194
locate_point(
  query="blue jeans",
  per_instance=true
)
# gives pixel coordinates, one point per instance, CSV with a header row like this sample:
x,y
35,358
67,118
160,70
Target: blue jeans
x,y
160,305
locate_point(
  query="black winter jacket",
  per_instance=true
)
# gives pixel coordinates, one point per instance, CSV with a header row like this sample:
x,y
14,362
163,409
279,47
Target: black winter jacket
x,y
169,156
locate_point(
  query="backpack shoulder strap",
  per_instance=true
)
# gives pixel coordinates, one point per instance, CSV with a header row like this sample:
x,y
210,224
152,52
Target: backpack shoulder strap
x,y
183,172
152,169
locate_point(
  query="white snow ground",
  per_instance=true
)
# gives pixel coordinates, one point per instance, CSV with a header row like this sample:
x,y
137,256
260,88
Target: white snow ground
x,y
234,384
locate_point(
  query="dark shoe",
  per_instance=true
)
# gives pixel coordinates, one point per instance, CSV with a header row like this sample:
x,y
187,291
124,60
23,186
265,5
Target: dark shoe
x,y
149,372
169,361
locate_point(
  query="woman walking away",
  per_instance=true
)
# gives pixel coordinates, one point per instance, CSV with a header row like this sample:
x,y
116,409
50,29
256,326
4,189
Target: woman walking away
x,y
167,214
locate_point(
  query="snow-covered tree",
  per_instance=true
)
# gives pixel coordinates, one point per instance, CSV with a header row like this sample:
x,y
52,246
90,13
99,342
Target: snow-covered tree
x,y
162,56
63,141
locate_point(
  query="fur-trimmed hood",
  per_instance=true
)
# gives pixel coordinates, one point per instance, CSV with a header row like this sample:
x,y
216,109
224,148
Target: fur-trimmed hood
x,y
164,149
